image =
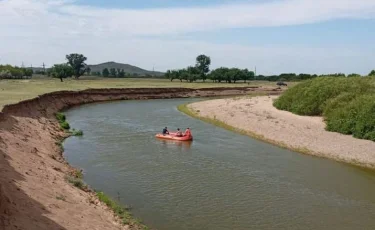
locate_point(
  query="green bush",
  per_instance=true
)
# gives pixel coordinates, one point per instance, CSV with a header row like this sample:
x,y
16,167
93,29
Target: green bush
x,y
60,117
65,125
347,104
77,132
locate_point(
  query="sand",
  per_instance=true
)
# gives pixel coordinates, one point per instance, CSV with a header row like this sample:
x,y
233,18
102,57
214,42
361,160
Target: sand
x,y
305,134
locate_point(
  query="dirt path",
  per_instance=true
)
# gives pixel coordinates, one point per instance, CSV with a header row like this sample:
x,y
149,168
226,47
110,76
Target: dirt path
x,y
306,134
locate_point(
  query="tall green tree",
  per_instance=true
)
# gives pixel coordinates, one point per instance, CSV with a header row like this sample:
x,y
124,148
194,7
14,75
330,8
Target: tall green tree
x,y
61,71
203,63
121,73
372,73
113,72
77,62
105,72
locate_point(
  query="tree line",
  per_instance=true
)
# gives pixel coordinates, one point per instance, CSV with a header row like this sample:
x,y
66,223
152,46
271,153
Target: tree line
x,y
112,72
76,66
14,72
201,71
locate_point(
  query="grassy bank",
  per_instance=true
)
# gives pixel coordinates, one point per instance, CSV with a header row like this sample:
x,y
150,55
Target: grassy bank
x,y
121,212
184,108
347,104
13,91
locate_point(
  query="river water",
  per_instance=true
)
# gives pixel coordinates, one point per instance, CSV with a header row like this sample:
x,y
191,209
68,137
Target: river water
x,y
222,180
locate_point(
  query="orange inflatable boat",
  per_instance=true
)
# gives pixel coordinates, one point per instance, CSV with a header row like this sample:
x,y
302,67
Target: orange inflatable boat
x,y
172,136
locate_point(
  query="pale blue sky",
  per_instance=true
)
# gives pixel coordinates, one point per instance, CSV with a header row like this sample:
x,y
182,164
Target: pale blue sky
x,y
310,36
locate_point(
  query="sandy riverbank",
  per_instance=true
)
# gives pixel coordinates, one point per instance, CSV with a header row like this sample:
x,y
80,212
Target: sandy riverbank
x,y
305,134
34,193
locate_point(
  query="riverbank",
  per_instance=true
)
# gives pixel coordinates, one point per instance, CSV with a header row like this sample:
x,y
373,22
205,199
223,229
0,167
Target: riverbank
x,y
34,192
257,117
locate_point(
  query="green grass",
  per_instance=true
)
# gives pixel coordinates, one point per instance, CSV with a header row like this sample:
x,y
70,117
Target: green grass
x,y
347,104
120,211
76,132
77,182
13,91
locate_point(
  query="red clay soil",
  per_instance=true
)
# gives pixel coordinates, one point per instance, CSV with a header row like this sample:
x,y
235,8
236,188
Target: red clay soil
x,y
34,193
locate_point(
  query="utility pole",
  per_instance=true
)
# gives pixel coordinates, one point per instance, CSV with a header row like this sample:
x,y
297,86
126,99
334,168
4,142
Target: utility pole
x,y
44,69
255,73
23,66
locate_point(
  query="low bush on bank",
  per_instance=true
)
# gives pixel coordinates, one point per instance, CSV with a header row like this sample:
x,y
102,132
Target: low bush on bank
x,y
61,118
77,182
77,132
347,104
62,121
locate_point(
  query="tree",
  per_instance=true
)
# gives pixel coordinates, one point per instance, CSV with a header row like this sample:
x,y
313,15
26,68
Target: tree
x,y
77,62
169,75
113,72
61,71
121,73
354,75
203,63
88,70
372,73
105,72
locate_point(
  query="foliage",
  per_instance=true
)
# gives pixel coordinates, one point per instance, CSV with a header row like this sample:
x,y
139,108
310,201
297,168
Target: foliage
x,y
62,121
354,75
372,73
77,132
113,72
61,71
14,72
120,211
77,62
77,182
203,63
105,72
347,104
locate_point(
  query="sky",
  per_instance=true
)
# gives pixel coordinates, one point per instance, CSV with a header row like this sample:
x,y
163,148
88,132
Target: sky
x,y
275,36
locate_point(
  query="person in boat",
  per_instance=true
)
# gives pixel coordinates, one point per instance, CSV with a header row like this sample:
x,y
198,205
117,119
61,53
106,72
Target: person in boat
x,y
187,132
179,133
165,131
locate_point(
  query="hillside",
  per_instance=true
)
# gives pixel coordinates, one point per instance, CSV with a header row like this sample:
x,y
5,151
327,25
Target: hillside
x,y
129,69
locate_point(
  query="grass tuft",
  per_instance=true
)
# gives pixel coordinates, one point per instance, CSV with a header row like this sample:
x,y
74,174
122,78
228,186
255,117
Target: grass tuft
x,y
77,133
120,211
77,182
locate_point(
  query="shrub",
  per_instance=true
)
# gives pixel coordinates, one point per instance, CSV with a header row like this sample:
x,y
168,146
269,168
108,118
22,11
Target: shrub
x,y
60,117
347,104
77,182
77,132
65,125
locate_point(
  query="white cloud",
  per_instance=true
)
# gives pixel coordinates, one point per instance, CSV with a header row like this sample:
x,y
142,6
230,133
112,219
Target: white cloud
x,y
45,30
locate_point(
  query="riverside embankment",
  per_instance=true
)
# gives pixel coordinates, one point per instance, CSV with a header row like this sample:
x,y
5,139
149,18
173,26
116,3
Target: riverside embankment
x,y
34,193
258,118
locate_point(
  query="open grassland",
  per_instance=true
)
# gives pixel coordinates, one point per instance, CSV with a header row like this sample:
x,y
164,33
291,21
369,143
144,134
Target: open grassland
x,y
347,104
12,91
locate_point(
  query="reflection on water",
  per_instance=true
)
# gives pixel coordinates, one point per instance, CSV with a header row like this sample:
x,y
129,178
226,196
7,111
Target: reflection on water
x,y
219,181
183,145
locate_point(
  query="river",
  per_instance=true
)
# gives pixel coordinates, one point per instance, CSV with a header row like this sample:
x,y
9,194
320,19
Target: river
x,y
222,180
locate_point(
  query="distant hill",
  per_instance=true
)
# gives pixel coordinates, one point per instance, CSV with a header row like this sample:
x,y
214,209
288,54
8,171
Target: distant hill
x,y
129,69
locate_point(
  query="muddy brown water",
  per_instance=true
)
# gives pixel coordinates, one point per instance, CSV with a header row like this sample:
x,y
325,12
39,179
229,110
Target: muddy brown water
x,y
222,180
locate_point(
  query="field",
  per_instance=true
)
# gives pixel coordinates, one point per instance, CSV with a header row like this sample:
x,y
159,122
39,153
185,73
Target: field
x,y
12,91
